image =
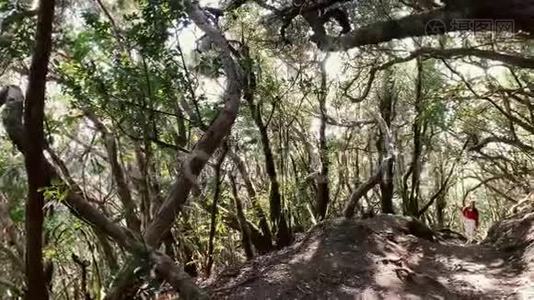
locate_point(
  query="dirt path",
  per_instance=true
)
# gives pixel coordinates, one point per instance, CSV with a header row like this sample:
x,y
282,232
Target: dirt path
x,y
469,271
381,258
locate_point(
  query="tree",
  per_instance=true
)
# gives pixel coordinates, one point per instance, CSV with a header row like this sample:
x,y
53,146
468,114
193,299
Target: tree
x,y
38,179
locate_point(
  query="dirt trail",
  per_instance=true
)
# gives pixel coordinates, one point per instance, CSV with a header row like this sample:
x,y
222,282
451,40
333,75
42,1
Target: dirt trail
x,y
386,257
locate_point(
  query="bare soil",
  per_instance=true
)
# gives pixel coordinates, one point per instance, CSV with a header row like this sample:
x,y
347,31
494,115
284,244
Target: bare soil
x,y
388,257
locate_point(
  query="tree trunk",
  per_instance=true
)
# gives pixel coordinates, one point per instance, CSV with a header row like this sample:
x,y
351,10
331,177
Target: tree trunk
x,y
359,192
190,266
386,111
278,219
245,231
260,214
375,178
82,264
34,158
412,207
168,242
207,144
214,209
323,197
143,186
441,201
107,249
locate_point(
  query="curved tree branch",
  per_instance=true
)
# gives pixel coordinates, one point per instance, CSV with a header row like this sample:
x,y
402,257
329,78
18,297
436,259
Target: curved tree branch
x,y
211,139
434,22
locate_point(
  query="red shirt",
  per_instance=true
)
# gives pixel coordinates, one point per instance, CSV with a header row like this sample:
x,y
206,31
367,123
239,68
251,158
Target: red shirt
x,y
471,213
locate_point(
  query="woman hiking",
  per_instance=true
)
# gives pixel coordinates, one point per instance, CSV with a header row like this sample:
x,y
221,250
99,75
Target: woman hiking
x,y
470,218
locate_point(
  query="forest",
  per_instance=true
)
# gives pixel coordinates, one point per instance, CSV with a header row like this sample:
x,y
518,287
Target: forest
x,y
266,149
